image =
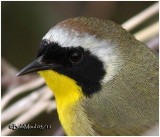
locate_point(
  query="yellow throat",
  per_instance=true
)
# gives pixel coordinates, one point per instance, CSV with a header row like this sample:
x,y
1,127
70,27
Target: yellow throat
x,y
67,93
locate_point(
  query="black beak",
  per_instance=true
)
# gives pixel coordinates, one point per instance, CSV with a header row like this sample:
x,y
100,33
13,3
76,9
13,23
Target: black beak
x,y
37,65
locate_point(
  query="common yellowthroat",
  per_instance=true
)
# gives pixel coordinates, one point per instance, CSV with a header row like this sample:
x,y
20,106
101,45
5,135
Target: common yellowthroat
x,y
104,80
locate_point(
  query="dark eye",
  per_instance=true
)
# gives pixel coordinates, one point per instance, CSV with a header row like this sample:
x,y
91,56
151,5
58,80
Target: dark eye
x,y
75,57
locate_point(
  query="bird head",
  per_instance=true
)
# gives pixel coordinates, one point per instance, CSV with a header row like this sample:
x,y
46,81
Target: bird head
x,y
83,49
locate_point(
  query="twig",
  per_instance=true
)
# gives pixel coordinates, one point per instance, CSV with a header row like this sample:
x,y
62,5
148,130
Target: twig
x,y
154,131
59,132
148,33
9,79
52,106
7,69
21,89
27,101
36,109
141,17
154,43
27,116
8,74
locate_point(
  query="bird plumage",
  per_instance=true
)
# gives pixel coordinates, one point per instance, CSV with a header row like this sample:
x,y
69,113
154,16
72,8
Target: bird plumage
x,y
113,90
127,104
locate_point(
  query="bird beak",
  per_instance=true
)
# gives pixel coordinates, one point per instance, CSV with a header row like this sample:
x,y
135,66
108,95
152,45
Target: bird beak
x,y
37,65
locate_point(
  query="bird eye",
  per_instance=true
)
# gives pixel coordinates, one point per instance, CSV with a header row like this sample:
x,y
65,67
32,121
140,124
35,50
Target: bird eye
x,y
75,57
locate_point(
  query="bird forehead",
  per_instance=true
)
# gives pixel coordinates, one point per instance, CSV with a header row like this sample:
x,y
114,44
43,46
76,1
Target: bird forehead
x,y
71,38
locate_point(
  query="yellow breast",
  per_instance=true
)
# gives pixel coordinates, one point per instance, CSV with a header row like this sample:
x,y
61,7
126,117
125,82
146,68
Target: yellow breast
x,y
67,93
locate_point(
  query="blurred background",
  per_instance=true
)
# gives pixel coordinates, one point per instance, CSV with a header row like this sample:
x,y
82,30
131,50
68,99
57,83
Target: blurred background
x,y
23,25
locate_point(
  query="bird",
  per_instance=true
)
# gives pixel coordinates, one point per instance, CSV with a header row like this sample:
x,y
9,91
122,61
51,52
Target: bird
x,y
104,80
